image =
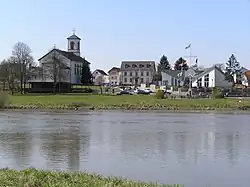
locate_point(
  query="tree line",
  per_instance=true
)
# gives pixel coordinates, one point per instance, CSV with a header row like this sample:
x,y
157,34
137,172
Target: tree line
x,y
16,70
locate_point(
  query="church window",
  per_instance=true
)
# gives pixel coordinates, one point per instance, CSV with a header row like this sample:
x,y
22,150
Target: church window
x,y
72,45
78,45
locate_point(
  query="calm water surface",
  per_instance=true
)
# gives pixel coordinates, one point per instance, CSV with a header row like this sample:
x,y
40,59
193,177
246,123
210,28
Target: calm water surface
x,y
191,149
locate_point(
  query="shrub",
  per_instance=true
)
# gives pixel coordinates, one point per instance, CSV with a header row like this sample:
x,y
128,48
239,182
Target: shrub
x,y
159,94
217,94
3,99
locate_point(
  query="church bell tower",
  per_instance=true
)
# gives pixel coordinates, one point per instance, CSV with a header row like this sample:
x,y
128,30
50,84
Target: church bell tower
x,y
74,44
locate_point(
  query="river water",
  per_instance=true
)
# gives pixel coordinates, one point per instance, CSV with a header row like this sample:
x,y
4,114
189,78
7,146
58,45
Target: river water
x,y
194,149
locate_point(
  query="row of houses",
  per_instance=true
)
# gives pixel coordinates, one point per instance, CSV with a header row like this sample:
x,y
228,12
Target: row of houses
x,y
134,73
130,73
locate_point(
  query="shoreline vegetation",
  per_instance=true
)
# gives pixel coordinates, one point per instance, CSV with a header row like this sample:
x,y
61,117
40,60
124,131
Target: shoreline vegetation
x,y
124,102
34,177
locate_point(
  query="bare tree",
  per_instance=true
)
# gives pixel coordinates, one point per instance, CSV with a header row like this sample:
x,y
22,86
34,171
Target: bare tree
x,y
22,56
100,81
56,69
9,74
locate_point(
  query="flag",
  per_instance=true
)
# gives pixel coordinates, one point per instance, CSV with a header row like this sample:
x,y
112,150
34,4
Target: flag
x,y
188,46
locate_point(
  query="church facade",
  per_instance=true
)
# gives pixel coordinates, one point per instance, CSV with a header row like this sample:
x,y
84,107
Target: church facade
x,y
59,66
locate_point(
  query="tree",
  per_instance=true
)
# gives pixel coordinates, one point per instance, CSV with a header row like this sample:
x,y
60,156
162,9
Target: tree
x,y
56,69
164,64
22,56
86,78
232,68
180,64
9,74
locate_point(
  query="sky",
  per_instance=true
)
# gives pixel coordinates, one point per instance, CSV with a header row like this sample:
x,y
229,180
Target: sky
x,y
117,30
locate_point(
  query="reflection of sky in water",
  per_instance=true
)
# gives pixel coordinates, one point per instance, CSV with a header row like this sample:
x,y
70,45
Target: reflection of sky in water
x,y
194,149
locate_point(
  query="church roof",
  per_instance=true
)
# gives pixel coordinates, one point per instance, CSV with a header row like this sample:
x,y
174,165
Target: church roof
x,y
70,55
74,37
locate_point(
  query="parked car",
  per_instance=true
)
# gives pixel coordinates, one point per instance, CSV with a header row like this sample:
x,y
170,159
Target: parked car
x,y
125,92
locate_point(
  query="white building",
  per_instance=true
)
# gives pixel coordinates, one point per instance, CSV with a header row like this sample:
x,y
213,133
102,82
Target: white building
x,y
100,77
114,76
171,78
68,65
210,77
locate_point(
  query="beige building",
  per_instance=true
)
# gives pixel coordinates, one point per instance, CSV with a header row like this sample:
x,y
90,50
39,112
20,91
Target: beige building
x,y
135,73
114,76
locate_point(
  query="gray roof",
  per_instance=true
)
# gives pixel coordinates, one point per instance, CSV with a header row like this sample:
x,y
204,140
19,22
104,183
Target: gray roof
x,y
74,37
206,71
101,71
172,73
70,55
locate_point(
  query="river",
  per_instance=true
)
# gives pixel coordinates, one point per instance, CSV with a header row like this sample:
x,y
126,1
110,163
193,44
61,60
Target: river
x,y
194,149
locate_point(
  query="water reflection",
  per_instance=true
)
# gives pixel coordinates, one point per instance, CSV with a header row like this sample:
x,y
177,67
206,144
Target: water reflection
x,y
192,149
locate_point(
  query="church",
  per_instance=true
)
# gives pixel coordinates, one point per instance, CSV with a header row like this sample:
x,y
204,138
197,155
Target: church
x,y
58,66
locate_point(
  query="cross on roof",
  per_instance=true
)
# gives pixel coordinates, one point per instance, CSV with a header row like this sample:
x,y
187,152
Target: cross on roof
x,y
74,31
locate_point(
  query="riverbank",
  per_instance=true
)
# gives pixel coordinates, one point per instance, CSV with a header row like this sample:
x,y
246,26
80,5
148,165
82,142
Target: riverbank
x,y
33,177
126,102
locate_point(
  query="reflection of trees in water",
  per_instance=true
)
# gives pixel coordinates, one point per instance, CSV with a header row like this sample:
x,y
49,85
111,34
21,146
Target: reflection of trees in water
x,y
17,145
232,148
228,144
63,145
140,144
180,146
162,143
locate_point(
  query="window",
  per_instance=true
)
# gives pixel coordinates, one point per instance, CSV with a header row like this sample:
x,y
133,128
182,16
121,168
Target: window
x,y
112,77
125,79
199,83
130,80
175,82
134,66
141,66
165,83
172,81
130,73
127,66
147,73
78,45
141,80
148,65
136,74
75,69
206,81
72,45
125,73
141,73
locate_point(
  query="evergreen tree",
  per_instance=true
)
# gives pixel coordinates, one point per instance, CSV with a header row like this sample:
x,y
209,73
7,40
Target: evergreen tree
x,y
164,64
86,77
232,68
180,63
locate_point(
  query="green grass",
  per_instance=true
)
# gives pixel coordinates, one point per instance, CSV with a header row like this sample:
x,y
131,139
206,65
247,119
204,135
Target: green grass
x,y
37,178
140,102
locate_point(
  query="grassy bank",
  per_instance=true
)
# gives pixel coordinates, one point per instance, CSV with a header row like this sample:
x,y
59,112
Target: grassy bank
x,y
33,177
127,102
